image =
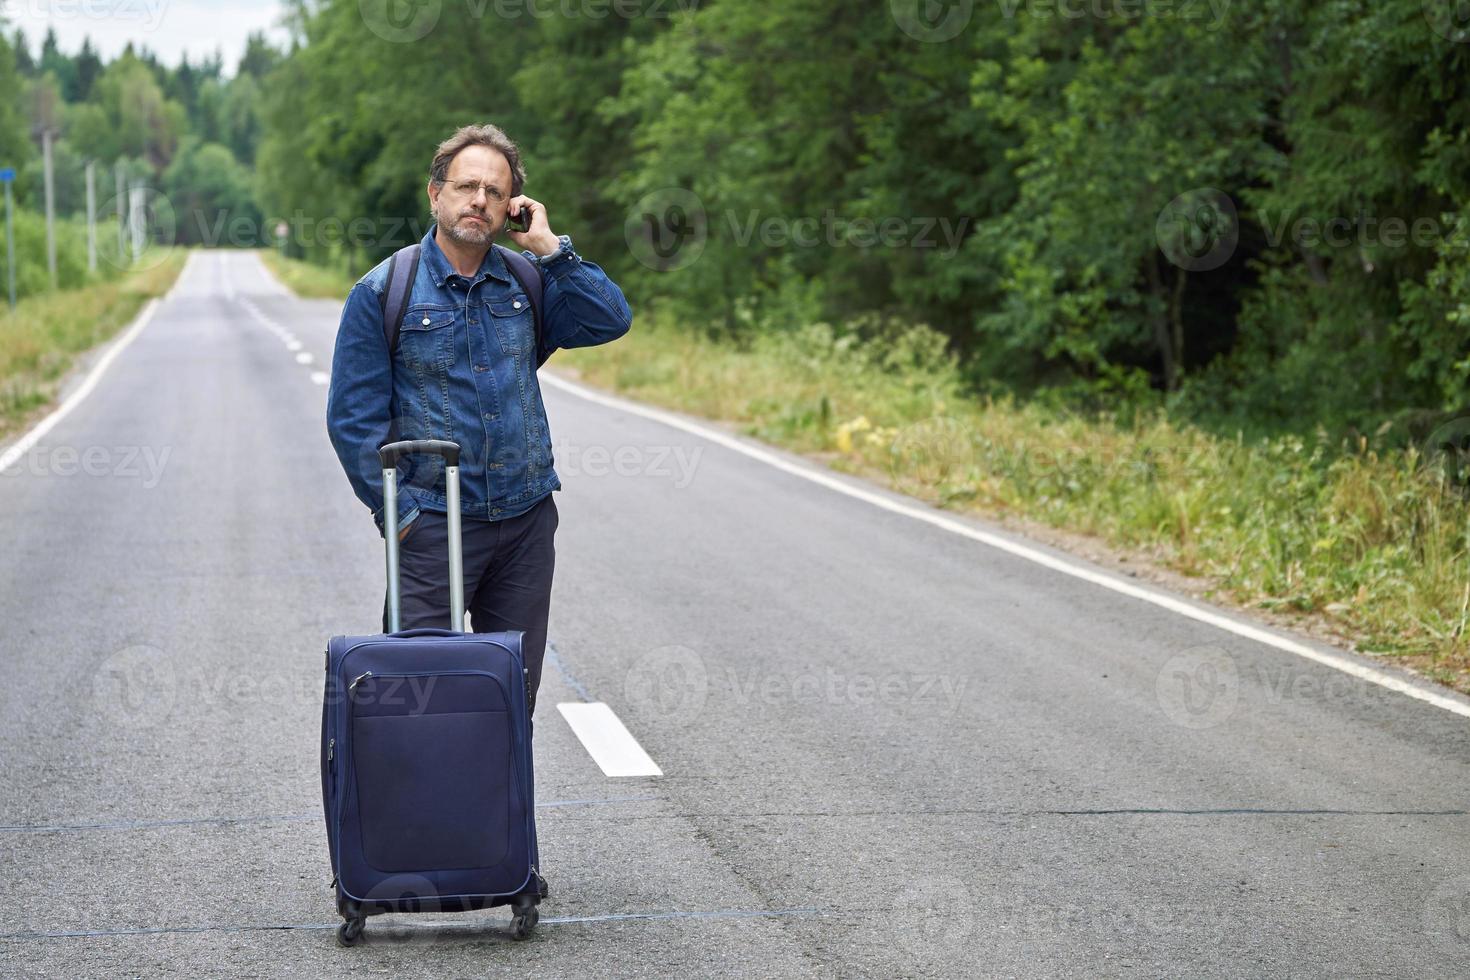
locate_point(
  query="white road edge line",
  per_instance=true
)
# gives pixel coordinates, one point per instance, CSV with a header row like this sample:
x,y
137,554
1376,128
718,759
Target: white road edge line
x,y
1335,661
607,739
23,445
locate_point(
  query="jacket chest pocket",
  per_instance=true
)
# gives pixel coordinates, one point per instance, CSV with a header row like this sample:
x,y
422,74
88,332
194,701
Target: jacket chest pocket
x,y
514,327
426,339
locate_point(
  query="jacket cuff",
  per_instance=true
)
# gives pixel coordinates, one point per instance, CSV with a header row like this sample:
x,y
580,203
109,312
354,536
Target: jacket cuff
x,y
407,511
565,257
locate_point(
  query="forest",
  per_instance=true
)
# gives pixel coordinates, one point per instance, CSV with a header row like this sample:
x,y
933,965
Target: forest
x,y
1249,216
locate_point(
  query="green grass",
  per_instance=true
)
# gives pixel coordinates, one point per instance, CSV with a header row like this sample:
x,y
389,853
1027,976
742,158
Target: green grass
x,y
307,279
1370,541
40,338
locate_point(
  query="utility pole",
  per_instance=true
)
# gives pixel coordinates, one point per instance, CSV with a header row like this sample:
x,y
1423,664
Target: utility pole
x,y
91,215
122,212
8,177
50,207
136,218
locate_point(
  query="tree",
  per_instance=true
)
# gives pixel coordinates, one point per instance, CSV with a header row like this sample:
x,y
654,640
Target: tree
x,y
1131,120
259,59
88,68
211,198
15,144
54,62
23,61
238,118
137,119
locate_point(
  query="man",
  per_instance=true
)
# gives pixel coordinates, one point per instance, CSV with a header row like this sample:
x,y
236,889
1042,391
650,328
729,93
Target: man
x,y
464,369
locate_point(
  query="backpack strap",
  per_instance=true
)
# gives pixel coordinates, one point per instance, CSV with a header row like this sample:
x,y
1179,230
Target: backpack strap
x,y
528,274
403,267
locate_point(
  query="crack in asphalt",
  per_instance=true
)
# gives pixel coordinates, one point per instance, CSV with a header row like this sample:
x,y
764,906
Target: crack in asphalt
x,y
437,926
1128,811
232,821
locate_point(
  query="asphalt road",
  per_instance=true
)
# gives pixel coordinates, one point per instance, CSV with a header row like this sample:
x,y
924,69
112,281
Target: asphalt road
x,y
888,750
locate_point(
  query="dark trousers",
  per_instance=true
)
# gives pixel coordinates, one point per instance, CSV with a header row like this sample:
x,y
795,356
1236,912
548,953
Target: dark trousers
x,y
507,577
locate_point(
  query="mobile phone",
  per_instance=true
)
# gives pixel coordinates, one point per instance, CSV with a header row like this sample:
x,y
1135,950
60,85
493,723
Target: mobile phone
x,y
521,222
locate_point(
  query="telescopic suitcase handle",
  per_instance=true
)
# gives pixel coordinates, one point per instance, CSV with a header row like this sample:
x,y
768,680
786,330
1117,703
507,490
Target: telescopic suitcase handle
x,y
389,456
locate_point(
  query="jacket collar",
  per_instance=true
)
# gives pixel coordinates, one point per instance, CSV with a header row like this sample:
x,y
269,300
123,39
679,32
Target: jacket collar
x,y
437,262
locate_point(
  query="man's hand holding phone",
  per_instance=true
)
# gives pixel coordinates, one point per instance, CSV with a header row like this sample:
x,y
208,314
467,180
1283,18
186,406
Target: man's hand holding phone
x,y
527,226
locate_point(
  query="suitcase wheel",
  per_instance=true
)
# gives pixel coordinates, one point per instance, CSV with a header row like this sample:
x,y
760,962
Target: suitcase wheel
x,y
349,933
524,918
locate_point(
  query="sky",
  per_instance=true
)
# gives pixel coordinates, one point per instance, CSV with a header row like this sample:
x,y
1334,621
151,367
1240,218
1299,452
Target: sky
x,y
169,28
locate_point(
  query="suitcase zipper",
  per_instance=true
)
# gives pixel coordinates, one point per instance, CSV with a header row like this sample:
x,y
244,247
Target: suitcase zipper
x,y
331,748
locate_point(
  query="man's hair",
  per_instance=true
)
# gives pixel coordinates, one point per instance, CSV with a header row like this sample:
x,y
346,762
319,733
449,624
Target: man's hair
x,y
486,135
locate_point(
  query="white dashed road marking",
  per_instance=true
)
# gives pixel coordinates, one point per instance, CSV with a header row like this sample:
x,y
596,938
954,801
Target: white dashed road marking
x,y
607,740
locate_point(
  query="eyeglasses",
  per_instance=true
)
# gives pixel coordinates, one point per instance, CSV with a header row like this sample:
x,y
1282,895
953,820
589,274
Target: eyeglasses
x,y
467,188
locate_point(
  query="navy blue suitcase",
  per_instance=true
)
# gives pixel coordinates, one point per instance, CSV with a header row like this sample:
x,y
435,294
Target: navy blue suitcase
x,y
426,756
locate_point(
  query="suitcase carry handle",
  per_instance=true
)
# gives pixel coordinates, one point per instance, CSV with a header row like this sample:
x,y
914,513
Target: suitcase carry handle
x,y
389,456
424,631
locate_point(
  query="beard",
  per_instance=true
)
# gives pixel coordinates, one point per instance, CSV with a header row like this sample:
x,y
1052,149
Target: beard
x,y
465,232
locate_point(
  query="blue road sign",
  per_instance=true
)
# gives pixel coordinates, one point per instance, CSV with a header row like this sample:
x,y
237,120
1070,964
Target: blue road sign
x,y
7,174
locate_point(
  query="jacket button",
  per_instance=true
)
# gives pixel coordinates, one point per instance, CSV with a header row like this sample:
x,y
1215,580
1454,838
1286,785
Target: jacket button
x,y
516,305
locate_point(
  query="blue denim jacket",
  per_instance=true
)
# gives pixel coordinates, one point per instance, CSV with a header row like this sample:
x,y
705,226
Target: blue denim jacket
x,y
464,370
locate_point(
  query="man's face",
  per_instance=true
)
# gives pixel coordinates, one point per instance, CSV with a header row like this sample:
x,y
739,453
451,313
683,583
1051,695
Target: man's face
x,y
470,206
